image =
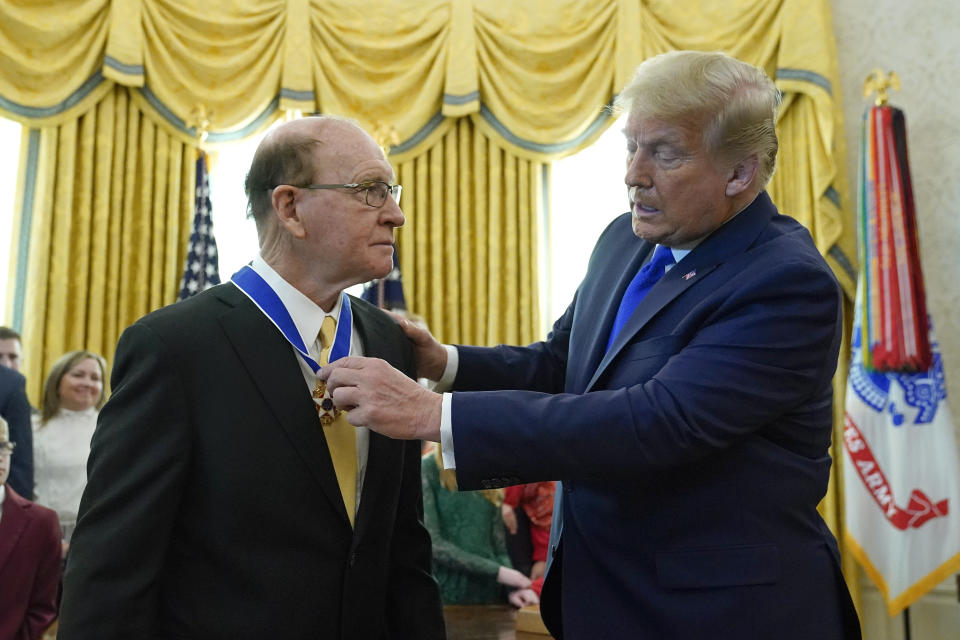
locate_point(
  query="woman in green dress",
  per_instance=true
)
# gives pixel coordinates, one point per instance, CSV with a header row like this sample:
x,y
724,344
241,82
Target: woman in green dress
x,y
470,558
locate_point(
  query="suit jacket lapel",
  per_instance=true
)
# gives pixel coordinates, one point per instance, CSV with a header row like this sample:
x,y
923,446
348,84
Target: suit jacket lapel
x,y
730,240
273,369
589,336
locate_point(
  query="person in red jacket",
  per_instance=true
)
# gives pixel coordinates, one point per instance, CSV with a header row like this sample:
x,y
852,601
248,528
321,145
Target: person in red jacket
x,y
535,501
29,558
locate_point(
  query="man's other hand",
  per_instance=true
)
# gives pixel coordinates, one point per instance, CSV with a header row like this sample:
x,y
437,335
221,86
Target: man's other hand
x,y
430,356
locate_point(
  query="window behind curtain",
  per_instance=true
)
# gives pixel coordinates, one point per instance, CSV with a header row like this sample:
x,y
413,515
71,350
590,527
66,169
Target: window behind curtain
x,y
9,160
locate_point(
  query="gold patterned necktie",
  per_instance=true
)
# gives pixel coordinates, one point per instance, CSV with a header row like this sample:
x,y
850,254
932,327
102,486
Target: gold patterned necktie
x,y
341,435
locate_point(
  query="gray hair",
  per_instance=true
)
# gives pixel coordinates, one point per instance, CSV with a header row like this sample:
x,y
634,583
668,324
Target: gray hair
x,y
284,157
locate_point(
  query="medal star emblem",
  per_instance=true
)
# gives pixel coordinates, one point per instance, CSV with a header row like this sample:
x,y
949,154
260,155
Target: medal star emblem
x,y
326,409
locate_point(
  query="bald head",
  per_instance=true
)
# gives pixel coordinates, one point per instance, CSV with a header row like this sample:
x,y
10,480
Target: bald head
x,y
318,190
290,154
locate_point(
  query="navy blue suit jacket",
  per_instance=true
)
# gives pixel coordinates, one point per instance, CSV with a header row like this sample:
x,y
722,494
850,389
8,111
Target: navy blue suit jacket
x,y
693,454
15,409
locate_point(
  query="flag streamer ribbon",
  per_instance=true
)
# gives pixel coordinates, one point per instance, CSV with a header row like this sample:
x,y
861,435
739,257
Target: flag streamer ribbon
x,y
901,465
895,327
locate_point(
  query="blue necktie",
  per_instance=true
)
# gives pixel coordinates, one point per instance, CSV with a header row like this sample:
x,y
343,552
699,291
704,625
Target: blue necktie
x,y
646,277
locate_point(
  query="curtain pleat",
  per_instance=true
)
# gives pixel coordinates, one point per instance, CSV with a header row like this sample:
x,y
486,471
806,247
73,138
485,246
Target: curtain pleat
x,y
121,110
107,234
468,251
803,178
102,198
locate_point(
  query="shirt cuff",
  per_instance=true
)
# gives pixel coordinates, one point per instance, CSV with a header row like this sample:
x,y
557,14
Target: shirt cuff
x,y
446,431
450,371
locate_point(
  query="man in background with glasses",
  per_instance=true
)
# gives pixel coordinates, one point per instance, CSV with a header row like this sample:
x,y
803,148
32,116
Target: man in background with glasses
x,y
227,497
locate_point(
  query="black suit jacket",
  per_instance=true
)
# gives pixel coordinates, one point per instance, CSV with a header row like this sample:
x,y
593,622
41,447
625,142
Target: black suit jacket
x,y
212,508
15,409
693,452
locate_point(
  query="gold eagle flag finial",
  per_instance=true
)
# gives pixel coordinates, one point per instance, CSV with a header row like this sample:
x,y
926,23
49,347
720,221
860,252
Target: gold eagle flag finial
x,y
878,82
200,123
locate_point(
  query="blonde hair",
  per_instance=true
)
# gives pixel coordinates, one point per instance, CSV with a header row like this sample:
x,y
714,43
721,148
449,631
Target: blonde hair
x,y
735,103
448,480
51,388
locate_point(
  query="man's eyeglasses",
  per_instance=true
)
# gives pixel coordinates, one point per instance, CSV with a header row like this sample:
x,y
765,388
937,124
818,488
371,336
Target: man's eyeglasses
x,y
375,191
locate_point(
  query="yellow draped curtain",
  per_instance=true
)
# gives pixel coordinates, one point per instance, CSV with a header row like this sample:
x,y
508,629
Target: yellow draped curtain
x,y
532,75
477,98
468,252
105,218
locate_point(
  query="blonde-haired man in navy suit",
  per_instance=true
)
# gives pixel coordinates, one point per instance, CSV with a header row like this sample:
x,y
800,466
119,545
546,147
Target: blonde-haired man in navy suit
x,y
684,398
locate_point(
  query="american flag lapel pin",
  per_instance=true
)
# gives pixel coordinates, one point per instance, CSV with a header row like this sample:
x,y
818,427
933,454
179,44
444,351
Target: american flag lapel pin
x,y
690,275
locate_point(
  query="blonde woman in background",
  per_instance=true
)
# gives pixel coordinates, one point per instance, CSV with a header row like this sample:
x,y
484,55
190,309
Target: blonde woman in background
x,y
72,396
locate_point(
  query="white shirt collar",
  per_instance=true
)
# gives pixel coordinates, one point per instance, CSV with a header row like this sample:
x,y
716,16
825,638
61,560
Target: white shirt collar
x,y
307,316
678,254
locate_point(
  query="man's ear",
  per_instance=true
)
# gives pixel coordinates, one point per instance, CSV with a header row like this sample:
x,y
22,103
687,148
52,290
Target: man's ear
x,y
741,175
284,200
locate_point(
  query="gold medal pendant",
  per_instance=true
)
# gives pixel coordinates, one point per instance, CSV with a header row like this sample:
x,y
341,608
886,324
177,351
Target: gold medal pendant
x,y
320,390
327,410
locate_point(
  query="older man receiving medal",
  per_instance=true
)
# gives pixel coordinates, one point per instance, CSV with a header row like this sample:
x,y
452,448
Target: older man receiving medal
x,y
227,496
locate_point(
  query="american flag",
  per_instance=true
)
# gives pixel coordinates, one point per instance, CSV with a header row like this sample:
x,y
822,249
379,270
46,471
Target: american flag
x,y
202,269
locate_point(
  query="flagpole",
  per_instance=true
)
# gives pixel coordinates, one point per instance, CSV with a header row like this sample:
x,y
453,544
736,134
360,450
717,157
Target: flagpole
x,y
201,270
879,83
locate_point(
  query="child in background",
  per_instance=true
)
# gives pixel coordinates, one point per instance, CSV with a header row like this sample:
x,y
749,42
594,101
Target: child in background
x,y
536,500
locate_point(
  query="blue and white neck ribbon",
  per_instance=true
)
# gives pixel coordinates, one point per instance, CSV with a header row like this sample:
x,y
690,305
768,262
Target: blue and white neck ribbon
x,y
262,294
